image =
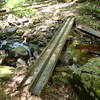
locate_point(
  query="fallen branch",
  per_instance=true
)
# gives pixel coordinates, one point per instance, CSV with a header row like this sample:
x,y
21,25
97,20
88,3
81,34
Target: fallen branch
x,y
89,30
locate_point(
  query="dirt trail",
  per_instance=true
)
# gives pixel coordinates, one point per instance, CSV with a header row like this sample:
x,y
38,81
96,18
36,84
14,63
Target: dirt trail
x,y
69,7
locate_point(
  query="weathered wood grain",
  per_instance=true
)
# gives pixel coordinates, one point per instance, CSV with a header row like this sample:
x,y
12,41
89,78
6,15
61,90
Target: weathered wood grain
x,y
89,30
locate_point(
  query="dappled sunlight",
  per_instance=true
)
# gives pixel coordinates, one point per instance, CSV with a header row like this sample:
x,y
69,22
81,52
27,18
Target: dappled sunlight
x,y
14,3
6,72
56,6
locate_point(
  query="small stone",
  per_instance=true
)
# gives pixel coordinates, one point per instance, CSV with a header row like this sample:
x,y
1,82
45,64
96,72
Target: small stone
x,y
20,32
15,93
20,51
10,30
20,62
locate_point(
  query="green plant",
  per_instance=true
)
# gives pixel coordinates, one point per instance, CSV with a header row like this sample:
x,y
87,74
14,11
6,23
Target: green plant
x,y
88,77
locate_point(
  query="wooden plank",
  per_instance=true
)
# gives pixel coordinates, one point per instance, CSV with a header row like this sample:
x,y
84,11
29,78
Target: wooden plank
x,y
38,66
47,54
89,30
37,86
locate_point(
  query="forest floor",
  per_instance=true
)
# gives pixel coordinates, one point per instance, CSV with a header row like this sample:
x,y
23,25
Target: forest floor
x,y
37,29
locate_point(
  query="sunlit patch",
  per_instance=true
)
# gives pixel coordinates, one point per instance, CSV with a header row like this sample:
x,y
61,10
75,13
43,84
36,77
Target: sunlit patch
x,y
56,6
6,71
14,2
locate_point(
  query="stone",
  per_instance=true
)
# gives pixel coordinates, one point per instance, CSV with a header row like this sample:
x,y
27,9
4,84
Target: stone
x,y
20,62
10,61
20,32
15,53
20,51
3,55
10,30
6,72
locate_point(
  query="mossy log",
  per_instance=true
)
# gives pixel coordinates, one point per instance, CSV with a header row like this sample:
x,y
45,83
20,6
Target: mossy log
x,y
45,55
37,86
47,60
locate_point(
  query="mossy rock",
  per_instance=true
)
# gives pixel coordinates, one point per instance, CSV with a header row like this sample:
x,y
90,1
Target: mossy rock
x,y
6,72
88,76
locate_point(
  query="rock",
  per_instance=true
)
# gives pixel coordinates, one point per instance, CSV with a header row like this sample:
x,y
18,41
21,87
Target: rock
x,y
25,19
20,51
2,43
15,53
10,61
20,32
11,18
10,30
36,55
20,62
6,72
3,55
27,33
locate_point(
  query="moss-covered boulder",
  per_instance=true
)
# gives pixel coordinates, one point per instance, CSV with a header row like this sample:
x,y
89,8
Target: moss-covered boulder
x,y
87,78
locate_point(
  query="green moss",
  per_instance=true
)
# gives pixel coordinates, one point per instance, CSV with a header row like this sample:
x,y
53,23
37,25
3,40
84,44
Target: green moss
x,y
6,72
81,56
89,77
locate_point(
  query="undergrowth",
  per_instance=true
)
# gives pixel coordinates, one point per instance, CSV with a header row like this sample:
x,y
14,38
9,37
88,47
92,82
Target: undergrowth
x,y
25,11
